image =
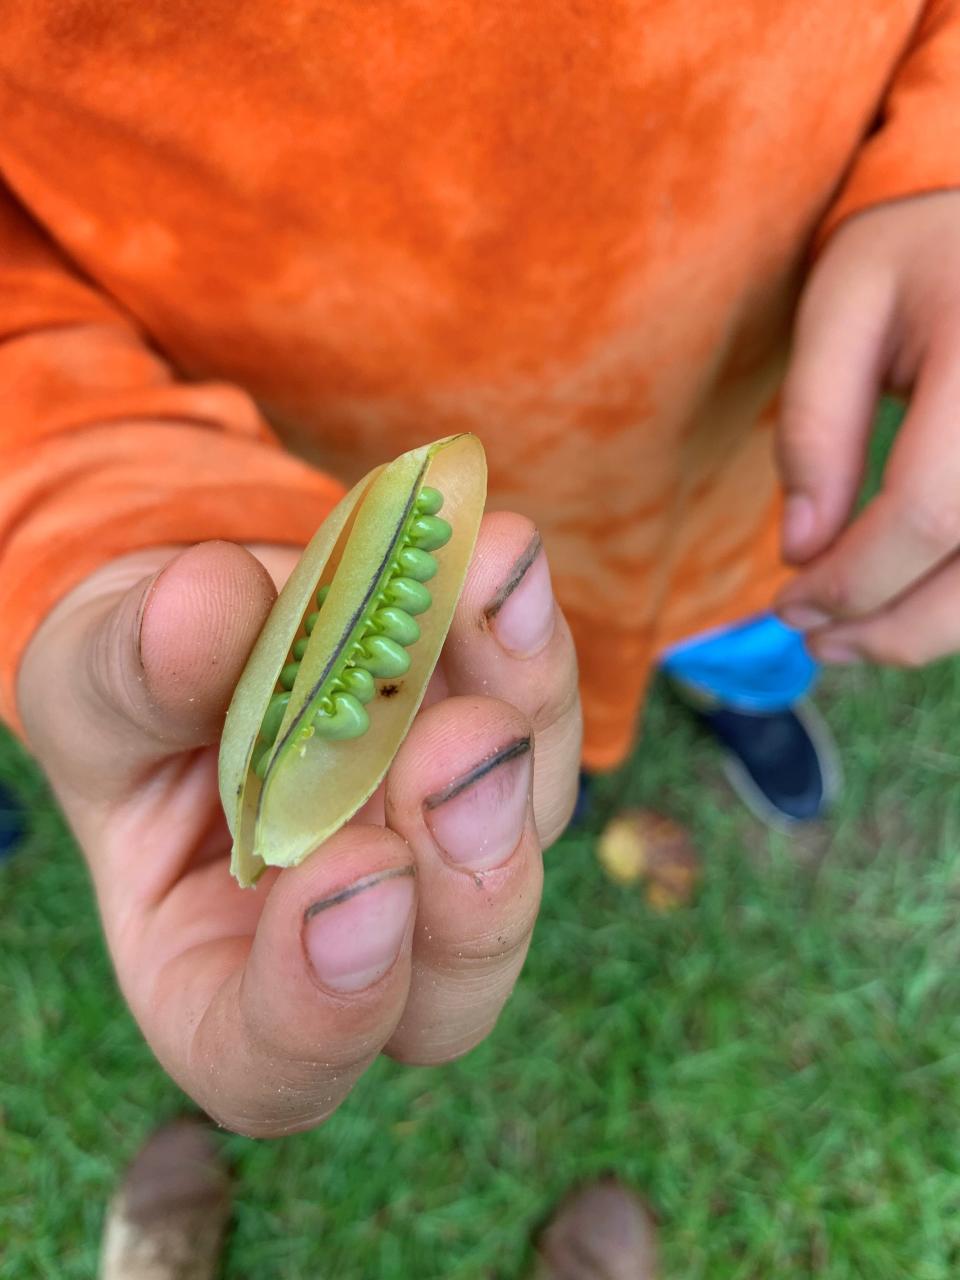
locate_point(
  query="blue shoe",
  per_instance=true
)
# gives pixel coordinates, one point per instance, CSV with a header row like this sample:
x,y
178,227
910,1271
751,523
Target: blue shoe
x,y
13,823
783,765
584,799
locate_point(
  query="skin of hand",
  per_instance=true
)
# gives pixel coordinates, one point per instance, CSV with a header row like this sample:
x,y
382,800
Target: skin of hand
x,y
880,311
406,933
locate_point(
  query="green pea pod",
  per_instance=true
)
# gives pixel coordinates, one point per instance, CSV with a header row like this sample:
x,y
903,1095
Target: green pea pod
x,y
341,667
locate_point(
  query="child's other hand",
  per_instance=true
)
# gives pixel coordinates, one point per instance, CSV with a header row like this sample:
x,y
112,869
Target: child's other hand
x,y
407,933
882,309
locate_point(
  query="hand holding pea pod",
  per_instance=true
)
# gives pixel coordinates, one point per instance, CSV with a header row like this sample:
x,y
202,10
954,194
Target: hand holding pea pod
x,y
406,931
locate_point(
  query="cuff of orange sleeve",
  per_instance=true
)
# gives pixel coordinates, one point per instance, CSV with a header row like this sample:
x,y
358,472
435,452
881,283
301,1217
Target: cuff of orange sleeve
x,y
915,151
858,201
51,567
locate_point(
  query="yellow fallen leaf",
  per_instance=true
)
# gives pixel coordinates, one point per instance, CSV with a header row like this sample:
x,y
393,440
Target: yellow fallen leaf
x,y
639,845
621,849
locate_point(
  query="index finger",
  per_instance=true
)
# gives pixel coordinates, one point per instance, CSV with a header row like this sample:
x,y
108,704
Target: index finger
x,y
828,402
910,527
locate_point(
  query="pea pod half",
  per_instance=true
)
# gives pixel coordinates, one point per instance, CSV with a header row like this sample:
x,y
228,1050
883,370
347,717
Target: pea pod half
x,y
344,659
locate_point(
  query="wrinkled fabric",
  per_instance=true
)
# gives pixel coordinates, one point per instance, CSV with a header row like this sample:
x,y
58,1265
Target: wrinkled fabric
x,y
757,666
249,250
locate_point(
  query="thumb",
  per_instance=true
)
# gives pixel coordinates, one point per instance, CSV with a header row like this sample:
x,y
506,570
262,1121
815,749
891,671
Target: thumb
x,y
184,638
141,661
840,354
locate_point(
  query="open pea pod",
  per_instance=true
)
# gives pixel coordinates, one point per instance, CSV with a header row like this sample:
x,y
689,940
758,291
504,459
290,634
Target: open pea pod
x,y
344,659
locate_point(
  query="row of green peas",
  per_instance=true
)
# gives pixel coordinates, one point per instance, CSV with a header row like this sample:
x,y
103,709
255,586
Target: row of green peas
x,y
380,650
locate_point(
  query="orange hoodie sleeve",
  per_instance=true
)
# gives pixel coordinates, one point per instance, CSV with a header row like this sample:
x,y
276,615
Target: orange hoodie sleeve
x,y
915,148
104,451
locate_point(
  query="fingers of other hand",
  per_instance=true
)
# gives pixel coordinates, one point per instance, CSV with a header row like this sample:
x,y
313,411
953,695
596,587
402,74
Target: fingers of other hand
x,y
910,528
882,306
841,350
923,626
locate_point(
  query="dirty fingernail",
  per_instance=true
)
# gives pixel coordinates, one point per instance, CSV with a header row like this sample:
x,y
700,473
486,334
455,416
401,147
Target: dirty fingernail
x,y
353,937
521,614
477,821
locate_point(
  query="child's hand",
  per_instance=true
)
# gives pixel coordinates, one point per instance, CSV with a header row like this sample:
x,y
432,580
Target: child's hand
x,y
406,933
882,308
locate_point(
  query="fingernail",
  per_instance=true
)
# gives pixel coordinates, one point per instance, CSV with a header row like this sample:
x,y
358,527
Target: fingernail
x,y
353,937
803,617
477,821
838,653
521,614
798,522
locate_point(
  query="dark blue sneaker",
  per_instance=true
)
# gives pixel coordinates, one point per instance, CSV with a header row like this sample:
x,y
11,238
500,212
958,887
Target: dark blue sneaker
x,y
584,800
13,823
782,764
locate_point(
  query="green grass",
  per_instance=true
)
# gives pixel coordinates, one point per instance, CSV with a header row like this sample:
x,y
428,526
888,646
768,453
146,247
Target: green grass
x,y
777,1066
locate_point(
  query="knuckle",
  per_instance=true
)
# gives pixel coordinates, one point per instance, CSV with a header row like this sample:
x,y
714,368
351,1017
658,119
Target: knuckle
x,y
551,692
836,594
467,1044
805,432
557,778
558,701
484,959
935,524
440,1051
263,1125
554,818
898,648
237,1121
496,957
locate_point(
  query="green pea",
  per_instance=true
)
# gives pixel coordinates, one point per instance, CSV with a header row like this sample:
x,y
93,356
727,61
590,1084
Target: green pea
x,y
349,719
429,501
396,624
430,532
271,721
383,658
416,564
410,596
358,682
289,674
268,731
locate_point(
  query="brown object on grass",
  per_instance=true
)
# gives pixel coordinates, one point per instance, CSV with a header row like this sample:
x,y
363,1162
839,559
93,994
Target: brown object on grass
x,y
602,1232
639,845
167,1219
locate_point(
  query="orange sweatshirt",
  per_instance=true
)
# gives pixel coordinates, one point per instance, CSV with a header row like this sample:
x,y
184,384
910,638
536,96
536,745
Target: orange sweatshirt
x,y
247,250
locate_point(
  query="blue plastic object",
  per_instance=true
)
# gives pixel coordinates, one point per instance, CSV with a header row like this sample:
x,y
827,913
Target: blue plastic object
x,y
759,665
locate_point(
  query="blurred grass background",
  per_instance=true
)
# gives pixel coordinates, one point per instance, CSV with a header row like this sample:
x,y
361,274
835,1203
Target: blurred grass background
x,y
777,1066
